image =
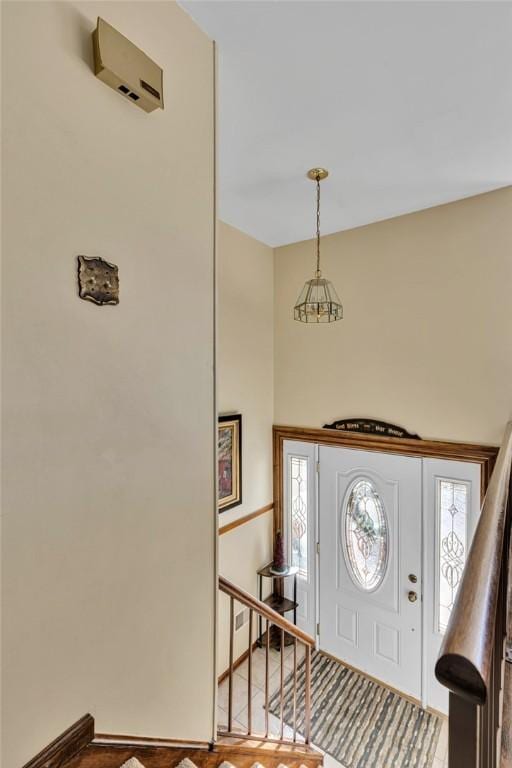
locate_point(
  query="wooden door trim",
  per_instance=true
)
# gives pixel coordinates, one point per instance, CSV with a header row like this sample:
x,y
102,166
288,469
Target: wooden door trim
x,y
476,453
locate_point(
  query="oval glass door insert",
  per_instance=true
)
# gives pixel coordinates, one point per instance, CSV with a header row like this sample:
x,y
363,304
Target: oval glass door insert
x,y
366,535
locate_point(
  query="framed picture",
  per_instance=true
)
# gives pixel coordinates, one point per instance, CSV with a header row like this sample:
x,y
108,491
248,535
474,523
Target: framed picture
x,y
230,461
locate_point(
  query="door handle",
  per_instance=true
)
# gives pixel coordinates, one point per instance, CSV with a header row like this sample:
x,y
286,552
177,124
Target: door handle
x,y
412,596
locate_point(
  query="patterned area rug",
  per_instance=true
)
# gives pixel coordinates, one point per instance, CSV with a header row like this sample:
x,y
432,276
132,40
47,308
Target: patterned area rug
x,y
358,722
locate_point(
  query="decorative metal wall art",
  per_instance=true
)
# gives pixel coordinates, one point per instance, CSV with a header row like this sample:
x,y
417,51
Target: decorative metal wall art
x,y
371,427
98,280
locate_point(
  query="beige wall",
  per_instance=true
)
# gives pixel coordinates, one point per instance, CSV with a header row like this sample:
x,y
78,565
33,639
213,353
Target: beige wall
x,y
426,340
108,420
245,385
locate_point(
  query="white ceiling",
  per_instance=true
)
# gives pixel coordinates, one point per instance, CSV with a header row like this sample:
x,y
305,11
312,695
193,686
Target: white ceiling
x,y
408,104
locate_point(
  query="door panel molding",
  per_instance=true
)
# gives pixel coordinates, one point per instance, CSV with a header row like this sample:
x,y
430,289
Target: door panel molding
x,y
476,453
393,634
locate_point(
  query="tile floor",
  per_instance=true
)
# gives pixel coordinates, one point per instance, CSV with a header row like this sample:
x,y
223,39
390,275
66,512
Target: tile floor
x,y
240,700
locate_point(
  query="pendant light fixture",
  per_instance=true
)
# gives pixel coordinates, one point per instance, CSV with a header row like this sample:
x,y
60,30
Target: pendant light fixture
x,y
318,301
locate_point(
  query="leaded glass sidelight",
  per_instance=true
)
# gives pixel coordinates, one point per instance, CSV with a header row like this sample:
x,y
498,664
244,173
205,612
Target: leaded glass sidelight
x,y
366,535
452,519
299,513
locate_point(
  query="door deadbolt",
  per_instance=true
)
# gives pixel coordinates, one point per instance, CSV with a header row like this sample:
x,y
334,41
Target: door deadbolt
x,y
413,578
412,596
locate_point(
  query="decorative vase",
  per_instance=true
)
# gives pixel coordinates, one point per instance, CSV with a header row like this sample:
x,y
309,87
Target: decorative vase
x,y
279,565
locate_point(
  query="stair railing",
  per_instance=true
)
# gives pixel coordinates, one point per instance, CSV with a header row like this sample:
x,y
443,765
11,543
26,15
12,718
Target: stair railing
x,y
300,639
472,662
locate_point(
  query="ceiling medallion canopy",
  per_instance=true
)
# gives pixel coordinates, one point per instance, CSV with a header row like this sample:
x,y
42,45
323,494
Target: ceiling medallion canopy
x,y
318,301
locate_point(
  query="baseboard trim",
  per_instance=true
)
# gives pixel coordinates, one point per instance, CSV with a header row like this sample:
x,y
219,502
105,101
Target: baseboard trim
x,y
245,745
246,518
237,663
65,746
113,740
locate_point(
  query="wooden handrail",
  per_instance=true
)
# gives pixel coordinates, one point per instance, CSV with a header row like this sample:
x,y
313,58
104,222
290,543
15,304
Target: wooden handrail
x,y
264,610
465,660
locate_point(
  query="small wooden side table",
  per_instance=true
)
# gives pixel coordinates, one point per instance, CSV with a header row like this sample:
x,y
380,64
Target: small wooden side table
x,y
278,602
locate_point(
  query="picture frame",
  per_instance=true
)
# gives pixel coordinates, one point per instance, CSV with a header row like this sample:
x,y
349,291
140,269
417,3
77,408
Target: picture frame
x,y
229,461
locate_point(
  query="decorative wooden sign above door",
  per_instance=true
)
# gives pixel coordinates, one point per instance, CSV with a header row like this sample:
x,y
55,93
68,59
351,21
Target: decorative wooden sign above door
x,y
371,427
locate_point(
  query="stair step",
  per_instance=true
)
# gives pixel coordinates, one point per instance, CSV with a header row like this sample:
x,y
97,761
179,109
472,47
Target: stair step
x,y
132,763
187,763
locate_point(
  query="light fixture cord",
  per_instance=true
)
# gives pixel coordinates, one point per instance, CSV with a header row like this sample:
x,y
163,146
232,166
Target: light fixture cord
x,y
318,273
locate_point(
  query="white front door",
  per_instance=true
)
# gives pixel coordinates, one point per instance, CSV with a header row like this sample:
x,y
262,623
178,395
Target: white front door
x,y
371,563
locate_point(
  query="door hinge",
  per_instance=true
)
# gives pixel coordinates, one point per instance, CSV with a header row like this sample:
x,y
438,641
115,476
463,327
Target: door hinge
x,y
318,628
318,466
318,547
